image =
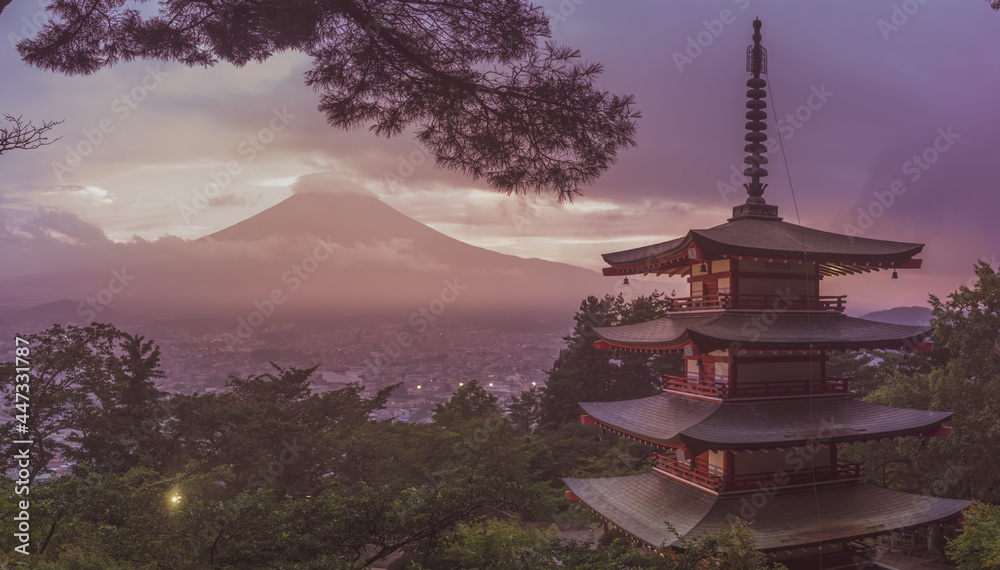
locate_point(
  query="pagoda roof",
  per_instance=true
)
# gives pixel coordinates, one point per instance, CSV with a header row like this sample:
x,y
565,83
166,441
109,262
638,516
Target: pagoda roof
x,y
788,330
672,420
765,238
642,505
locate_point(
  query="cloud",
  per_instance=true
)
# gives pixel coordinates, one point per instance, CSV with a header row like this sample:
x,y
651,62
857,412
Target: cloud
x,y
233,200
328,183
63,226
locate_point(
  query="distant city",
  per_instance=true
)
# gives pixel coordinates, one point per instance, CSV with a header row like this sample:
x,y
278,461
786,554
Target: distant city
x,y
431,367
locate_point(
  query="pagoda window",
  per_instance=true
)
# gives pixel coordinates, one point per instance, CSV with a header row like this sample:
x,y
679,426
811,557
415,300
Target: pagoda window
x,y
722,372
693,373
696,289
725,286
720,266
716,463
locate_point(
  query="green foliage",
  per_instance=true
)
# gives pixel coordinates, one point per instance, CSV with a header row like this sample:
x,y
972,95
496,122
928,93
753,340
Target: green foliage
x,y
267,474
499,545
525,411
507,545
98,384
584,374
470,402
962,376
977,546
269,431
732,549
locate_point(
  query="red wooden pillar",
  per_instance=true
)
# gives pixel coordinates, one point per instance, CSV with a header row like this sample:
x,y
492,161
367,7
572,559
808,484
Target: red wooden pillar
x,y
733,367
734,282
822,368
728,466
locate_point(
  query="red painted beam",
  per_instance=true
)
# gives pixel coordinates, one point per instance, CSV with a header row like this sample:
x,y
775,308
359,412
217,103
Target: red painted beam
x,y
602,345
940,431
587,420
571,496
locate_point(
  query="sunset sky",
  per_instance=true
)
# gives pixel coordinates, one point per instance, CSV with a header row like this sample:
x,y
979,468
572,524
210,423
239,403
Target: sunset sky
x,y
874,84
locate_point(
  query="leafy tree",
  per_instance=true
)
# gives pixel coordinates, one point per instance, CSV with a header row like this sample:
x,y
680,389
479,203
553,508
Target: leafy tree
x,y
96,384
469,76
582,373
869,369
470,402
120,426
977,547
525,410
271,431
500,544
967,328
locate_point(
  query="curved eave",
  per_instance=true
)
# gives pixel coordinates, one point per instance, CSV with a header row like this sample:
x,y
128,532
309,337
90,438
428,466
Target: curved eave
x,y
657,419
670,257
753,331
643,505
772,240
670,420
802,422
668,333
898,258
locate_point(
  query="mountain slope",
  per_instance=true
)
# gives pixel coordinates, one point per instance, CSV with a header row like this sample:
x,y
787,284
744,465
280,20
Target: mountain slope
x,y
913,316
338,258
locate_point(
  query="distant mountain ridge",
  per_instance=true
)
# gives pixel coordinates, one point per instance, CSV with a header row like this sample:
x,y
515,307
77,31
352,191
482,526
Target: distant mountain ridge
x,y
913,316
346,256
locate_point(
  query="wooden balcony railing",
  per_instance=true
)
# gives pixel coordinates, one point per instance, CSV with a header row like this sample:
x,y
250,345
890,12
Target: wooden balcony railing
x,y
700,473
712,477
759,302
707,386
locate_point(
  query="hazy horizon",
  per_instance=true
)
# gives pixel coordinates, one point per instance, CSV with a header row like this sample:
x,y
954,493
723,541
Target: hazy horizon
x,y
862,92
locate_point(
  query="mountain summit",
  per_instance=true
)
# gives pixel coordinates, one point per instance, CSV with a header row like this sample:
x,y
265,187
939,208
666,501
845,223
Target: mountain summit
x,y
345,256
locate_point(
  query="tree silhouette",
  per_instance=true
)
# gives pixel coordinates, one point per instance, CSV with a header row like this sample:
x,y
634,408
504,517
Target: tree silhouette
x,y
470,77
22,135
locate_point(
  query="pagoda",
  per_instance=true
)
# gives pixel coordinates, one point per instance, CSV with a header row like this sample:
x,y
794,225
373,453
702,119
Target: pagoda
x,y
750,431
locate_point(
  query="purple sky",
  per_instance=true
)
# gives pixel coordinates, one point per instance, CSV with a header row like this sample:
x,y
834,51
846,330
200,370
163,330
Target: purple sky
x,y
890,90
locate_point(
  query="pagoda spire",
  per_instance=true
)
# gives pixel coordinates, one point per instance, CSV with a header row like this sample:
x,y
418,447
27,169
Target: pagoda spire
x,y
756,137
